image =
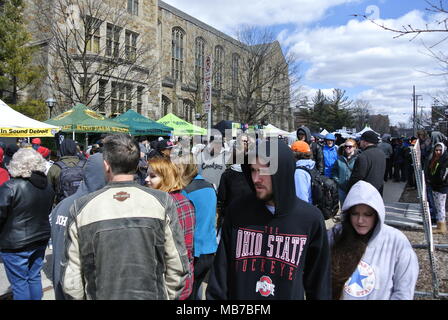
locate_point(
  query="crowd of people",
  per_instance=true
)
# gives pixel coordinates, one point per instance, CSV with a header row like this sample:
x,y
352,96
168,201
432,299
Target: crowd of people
x,y
131,218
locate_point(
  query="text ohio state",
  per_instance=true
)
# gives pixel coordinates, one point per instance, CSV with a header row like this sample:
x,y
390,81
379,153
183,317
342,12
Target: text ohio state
x,y
269,253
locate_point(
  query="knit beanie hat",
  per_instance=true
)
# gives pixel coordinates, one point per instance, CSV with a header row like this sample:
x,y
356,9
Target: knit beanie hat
x,y
370,136
300,146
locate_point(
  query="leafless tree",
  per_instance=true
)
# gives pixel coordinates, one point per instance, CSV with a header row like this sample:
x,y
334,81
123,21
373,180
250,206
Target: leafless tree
x,y
264,82
90,43
361,112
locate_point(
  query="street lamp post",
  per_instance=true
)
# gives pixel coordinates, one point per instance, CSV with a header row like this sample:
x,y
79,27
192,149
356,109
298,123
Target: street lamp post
x,y
50,104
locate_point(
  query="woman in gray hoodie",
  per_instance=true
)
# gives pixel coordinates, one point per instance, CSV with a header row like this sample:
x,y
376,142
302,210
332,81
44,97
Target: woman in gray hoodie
x,y
370,260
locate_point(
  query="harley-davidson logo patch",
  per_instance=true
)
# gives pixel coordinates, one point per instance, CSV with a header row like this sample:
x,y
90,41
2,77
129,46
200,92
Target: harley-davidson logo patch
x,y
122,196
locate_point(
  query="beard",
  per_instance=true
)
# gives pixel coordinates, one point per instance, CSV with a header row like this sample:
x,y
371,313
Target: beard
x,y
264,195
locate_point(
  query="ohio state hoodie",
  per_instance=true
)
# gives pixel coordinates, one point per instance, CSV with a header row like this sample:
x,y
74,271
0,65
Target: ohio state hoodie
x,y
262,255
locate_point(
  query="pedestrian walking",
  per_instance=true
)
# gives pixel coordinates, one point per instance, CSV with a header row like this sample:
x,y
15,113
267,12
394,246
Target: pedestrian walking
x,y
343,167
330,152
69,167
304,134
25,203
436,173
302,179
212,161
123,241
370,260
386,147
203,196
370,165
94,180
273,245
398,160
163,175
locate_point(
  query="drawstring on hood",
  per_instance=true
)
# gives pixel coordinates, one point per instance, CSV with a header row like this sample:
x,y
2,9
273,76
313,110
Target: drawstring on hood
x,y
283,184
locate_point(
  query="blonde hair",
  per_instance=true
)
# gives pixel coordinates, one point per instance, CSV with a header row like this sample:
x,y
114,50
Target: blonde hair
x,y
168,173
24,162
188,170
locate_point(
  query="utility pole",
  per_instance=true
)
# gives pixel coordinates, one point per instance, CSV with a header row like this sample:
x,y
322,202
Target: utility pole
x,y
415,99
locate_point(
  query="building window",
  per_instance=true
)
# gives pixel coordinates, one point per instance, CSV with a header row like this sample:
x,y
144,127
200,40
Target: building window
x,y
218,64
114,98
139,99
113,40
92,30
128,97
235,73
131,45
199,61
133,7
102,95
177,56
84,84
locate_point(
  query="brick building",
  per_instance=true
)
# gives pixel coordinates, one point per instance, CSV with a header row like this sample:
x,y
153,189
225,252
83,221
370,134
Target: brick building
x,y
157,53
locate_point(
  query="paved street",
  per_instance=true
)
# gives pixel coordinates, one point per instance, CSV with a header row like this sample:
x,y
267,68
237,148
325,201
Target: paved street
x,y
395,210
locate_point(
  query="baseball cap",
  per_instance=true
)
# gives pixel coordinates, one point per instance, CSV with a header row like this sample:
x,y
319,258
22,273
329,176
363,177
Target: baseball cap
x,y
165,144
36,141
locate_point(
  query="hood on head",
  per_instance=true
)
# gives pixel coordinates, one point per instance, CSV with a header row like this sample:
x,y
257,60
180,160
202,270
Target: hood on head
x,y
283,179
307,133
68,148
94,176
442,145
363,192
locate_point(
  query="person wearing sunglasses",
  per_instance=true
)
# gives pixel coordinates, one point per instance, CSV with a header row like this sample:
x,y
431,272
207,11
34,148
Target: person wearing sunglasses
x,y
343,167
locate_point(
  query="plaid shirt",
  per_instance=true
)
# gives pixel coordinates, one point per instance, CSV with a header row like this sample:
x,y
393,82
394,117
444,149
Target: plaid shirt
x,y
186,214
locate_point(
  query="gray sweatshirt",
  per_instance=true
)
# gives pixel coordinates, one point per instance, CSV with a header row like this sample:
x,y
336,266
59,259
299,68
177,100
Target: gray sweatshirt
x,y
389,267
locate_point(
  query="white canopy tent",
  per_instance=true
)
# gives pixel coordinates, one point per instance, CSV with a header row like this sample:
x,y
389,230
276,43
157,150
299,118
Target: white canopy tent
x,y
15,124
272,131
324,132
367,128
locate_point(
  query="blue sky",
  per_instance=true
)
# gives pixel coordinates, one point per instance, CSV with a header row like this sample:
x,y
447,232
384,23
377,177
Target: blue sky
x,y
337,50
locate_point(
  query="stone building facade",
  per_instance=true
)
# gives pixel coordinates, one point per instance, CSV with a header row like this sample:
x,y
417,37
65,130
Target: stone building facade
x,y
172,63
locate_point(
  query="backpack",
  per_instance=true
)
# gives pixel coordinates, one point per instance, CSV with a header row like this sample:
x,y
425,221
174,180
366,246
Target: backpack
x,y
69,179
324,192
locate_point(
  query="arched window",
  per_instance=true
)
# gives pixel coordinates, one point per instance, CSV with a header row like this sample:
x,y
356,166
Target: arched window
x,y
199,60
218,65
177,54
235,72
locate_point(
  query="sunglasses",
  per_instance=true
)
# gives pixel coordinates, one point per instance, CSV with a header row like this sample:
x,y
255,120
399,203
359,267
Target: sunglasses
x,y
348,147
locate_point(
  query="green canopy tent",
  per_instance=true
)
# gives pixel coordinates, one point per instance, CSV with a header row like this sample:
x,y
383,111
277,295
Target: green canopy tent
x,y
181,127
142,126
81,119
84,120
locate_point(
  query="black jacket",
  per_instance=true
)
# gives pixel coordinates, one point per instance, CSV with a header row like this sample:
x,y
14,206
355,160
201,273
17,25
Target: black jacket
x,y
24,208
438,177
261,255
233,185
370,167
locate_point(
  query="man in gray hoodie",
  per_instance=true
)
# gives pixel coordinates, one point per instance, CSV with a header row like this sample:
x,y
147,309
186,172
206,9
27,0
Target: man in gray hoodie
x,y
94,179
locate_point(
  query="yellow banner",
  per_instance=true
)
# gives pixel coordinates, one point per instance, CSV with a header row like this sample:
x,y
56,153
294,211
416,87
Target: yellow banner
x,y
27,132
82,128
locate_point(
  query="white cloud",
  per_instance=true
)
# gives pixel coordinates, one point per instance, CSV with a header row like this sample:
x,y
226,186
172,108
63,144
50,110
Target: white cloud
x,y
360,54
225,15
